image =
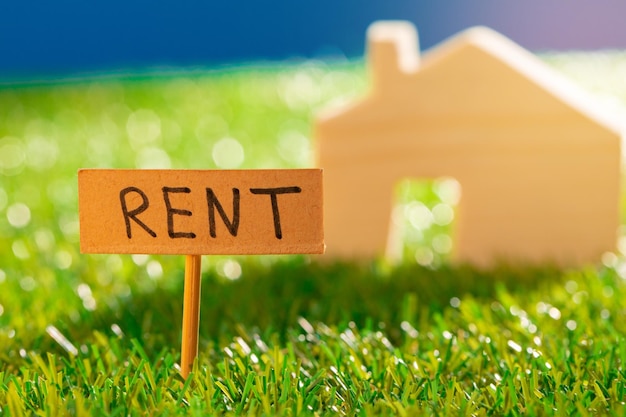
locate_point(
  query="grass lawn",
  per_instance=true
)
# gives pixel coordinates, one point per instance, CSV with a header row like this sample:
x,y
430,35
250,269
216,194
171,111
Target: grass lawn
x,y
100,334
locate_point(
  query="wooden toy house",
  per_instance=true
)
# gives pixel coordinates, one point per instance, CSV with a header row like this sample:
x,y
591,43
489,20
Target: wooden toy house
x,y
538,163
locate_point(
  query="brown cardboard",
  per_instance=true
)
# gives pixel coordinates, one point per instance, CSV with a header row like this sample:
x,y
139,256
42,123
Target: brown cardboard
x,y
192,212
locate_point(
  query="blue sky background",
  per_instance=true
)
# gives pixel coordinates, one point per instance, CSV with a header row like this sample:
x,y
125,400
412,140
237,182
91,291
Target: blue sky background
x,y
66,37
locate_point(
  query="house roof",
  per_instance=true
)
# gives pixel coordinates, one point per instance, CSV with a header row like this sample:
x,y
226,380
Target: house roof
x,y
394,62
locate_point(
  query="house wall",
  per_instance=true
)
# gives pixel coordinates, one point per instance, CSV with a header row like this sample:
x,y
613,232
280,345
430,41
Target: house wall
x,y
531,192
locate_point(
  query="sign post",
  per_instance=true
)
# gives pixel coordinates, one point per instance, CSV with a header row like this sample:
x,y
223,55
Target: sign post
x,y
196,212
191,314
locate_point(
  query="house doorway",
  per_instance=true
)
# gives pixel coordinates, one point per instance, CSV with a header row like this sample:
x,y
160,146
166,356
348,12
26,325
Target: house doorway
x,y
422,220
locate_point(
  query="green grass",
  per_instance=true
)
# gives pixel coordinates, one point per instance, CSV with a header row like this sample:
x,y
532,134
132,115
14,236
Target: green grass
x,y
100,334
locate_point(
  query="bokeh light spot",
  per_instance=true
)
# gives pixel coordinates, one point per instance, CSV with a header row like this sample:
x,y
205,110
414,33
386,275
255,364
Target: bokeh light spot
x,y
18,215
11,156
28,284
300,91
154,269
140,260
424,256
418,215
230,269
63,259
44,239
228,153
85,294
448,190
555,313
20,250
153,158
295,148
443,214
442,244
41,154
143,127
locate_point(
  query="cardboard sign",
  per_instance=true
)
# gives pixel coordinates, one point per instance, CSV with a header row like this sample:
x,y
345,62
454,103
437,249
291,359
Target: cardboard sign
x,y
196,212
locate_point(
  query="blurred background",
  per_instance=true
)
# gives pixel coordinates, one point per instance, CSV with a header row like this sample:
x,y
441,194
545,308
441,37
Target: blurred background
x,y
68,37
156,84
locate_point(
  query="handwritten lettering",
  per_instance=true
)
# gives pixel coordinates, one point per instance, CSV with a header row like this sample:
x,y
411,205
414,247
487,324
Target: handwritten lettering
x,y
265,211
214,203
273,192
172,211
132,214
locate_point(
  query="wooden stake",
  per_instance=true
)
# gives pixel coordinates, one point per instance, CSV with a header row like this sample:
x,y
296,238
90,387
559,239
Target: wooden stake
x,y
191,314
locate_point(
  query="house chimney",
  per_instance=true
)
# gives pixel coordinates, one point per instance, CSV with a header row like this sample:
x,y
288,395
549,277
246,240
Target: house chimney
x,y
393,50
